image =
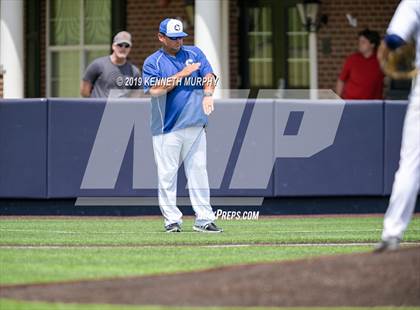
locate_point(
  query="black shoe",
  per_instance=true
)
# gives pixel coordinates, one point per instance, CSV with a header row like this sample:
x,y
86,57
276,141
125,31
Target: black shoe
x,y
390,244
171,228
208,228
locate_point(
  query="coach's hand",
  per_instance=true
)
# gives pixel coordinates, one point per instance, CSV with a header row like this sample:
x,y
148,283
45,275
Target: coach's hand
x,y
208,105
189,69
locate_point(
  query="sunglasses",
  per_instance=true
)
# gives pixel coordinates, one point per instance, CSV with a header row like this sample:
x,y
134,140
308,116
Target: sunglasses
x,y
125,45
176,38
173,39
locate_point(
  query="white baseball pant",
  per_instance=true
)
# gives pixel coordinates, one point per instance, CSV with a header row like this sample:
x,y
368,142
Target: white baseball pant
x,y
186,145
407,179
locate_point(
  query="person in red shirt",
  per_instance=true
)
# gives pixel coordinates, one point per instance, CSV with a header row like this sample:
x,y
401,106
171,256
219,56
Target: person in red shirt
x,y
361,76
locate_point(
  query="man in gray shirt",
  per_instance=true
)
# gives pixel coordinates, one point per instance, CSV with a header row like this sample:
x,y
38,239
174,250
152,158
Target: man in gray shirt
x,y
112,72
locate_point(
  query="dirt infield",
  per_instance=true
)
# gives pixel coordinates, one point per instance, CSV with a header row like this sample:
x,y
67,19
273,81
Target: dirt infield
x,y
389,279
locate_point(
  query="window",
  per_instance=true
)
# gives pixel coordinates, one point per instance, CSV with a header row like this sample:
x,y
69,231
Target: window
x,y
297,51
78,31
274,49
260,47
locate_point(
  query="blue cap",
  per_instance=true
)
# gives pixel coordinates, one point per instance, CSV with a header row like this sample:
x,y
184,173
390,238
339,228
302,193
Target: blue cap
x,y
172,28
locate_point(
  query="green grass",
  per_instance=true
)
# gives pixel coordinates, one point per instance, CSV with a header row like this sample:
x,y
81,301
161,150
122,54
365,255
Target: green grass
x,y
57,249
45,265
54,249
150,232
6,304
18,305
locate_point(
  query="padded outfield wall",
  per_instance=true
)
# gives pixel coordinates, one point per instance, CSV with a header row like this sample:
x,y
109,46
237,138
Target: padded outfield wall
x,y
45,146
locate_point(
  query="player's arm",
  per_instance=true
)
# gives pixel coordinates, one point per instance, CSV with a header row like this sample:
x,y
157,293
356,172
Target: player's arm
x,y
167,84
85,88
210,83
209,86
403,24
206,71
401,28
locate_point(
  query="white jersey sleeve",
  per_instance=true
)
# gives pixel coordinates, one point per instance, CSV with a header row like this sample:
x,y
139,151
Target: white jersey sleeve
x,y
406,24
406,20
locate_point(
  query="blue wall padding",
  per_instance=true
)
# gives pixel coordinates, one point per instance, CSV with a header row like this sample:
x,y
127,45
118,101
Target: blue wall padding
x,y
351,166
45,145
23,148
394,119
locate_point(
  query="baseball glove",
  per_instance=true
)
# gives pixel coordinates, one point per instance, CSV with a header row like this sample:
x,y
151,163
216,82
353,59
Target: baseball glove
x,y
398,64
